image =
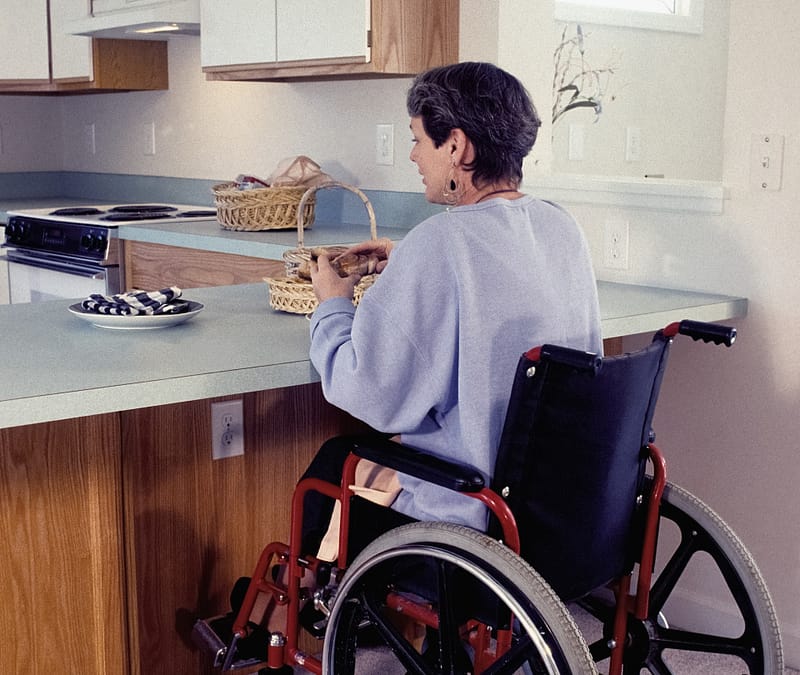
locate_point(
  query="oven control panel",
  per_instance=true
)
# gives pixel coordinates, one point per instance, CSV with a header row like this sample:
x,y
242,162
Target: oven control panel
x,y
85,241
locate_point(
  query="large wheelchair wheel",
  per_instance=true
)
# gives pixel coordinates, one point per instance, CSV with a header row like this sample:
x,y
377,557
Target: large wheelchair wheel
x,y
695,543
467,581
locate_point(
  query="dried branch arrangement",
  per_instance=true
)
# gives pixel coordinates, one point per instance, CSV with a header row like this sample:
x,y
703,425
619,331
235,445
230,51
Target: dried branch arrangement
x,y
576,84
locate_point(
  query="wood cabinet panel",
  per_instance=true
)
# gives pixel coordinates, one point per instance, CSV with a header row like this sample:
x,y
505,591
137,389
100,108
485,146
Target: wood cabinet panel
x,y
123,65
195,524
61,548
152,266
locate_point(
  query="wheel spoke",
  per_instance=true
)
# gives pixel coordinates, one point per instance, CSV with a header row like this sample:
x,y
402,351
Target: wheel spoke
x,y
410,658
449,637
674,568
701,642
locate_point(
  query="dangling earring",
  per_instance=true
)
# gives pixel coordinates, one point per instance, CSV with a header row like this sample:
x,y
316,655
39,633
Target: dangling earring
x,y
452,190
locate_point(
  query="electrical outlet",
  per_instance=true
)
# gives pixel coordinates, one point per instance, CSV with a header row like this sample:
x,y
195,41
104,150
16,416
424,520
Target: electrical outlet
x,y
615,244
227,429
384,144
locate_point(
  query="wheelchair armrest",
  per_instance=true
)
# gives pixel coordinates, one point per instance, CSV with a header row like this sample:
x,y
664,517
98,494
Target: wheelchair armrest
x,y
408,460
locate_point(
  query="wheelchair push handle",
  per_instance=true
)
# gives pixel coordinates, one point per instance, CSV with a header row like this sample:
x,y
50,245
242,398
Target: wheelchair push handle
x,y
707,332
573,358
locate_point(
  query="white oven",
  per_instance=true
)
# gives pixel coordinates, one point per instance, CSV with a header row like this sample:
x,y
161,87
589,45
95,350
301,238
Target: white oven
x,y
73,252
36,278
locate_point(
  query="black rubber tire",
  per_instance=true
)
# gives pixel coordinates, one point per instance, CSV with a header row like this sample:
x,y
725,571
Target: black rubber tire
x,y
701,532
546,637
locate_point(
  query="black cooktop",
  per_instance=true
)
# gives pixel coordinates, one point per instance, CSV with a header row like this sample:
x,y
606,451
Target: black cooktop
x,y
130,212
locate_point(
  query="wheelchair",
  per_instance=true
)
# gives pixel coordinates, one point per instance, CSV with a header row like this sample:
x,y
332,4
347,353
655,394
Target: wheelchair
x,y
582,520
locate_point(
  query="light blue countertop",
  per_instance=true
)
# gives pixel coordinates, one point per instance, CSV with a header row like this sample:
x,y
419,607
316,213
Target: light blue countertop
x,y
57,366
208,235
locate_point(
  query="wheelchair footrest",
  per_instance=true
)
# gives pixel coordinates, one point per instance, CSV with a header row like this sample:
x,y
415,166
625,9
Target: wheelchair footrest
x,y
214,637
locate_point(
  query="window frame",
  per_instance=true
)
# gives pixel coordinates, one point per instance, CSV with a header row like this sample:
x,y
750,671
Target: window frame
x,y
690,22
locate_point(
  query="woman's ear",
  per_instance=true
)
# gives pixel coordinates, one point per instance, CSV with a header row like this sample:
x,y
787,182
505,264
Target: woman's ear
x,y
461,149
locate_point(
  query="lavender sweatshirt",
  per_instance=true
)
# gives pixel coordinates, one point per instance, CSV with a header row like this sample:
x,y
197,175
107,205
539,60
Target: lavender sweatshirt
x,y
430,352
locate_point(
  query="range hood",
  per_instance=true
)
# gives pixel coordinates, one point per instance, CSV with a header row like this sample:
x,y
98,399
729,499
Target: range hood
x,y
152,21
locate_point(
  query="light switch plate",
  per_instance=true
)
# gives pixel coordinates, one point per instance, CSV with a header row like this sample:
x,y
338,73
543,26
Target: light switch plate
x,y
575,152
149,138
766,161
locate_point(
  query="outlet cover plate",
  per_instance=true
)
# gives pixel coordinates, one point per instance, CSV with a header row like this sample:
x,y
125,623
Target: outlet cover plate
x,y
227,429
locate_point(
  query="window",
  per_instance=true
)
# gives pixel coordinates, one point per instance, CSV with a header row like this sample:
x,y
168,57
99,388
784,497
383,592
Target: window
x,y
684,16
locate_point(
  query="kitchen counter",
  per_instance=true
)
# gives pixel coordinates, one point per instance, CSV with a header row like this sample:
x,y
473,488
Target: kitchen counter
x,y
208,235
236,345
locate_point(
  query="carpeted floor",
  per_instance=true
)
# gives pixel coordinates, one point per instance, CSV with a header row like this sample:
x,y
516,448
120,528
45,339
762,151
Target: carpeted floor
x,y
678,663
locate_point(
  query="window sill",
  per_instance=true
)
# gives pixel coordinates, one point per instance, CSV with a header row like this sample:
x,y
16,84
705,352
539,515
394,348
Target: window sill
x,y
649,193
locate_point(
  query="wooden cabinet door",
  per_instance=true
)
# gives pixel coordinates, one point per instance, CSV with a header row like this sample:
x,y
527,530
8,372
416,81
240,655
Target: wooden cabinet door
x,y
237,33
320,29
25,54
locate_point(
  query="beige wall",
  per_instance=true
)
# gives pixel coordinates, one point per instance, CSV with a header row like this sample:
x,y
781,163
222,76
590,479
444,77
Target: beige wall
x,y
728,419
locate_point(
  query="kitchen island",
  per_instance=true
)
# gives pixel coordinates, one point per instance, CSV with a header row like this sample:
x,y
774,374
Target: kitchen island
x,y
60,367
117,526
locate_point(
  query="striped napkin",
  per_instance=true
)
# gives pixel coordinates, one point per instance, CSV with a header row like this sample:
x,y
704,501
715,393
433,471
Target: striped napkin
x,y
135,303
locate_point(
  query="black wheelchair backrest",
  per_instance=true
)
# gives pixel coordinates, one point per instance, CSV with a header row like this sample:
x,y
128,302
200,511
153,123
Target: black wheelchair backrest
x,y
572,459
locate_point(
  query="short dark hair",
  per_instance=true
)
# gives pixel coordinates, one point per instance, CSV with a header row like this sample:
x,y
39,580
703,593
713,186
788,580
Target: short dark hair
x,y
489,105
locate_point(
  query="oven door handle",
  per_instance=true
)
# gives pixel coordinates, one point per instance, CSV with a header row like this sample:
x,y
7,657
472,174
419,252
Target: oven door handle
x,y
74,268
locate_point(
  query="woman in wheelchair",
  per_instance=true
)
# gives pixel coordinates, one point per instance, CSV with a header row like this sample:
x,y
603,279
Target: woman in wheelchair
x,y
498,454
427,354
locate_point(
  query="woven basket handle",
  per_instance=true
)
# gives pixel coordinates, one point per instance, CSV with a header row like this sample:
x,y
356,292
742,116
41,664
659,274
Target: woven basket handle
x,y
373,228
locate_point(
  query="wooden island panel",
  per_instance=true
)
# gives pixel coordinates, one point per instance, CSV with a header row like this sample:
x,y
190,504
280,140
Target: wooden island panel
x,y
150,266
61,547
194,524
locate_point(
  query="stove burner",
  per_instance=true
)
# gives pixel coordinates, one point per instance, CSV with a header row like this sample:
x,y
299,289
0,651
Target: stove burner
x,y
204,213
143,208
76,211
136,215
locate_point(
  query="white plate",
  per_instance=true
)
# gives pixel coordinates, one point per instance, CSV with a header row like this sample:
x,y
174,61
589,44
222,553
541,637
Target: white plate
x,y
136,322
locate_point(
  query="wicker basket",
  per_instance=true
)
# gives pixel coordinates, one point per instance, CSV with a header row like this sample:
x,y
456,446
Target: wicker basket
x,y
296,295
271,208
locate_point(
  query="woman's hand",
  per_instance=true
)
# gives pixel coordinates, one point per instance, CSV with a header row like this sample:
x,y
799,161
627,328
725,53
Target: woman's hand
x,y
380,248
327,282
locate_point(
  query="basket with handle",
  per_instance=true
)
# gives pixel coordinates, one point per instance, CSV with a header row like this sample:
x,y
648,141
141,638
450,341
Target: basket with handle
x,y
296,295
268,208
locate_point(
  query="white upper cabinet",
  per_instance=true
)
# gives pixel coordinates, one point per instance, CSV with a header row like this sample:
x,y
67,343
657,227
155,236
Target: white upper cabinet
x,y
102,6
24,54
266,31
297,39
71,54
237,32
321,29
